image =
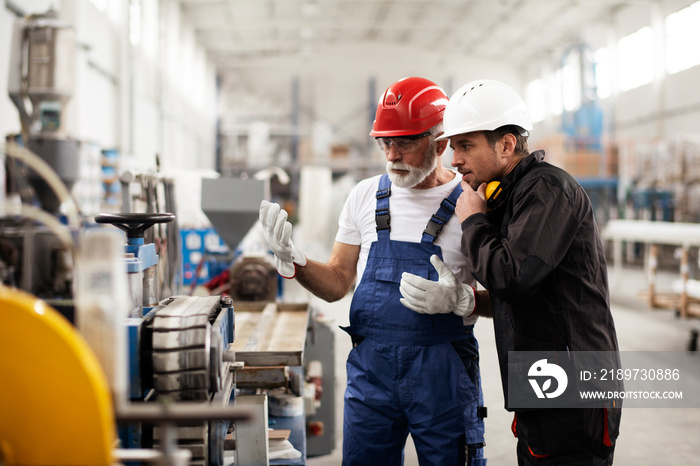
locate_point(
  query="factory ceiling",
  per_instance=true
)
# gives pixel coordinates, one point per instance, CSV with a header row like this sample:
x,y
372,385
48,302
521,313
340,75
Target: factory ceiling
x,y
238,33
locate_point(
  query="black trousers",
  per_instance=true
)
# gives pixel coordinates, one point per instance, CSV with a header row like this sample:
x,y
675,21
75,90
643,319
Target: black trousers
x,y
581,458
567,436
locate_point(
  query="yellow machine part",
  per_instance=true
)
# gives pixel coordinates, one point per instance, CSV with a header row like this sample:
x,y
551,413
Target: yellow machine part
x,y
55,405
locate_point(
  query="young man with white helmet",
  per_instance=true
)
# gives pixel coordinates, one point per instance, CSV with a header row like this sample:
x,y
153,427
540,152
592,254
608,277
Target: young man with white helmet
x,y
535,247
414,365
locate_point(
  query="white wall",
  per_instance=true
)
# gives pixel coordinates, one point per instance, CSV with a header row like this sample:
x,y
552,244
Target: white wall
x,y
9,120
155,98
188,94
161,97
647,112
95,103
652,112
335,88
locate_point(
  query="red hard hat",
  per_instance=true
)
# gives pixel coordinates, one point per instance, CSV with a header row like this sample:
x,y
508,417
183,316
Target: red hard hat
x,y
409,106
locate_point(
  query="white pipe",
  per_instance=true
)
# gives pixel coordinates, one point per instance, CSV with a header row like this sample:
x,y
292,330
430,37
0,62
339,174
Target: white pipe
x,y
44,170
61,231
644,231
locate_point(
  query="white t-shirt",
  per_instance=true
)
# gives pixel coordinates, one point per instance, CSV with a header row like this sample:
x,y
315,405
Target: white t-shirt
x,y
410,210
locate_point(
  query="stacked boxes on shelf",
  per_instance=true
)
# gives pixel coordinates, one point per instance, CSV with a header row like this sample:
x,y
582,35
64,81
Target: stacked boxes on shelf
x,y
580,160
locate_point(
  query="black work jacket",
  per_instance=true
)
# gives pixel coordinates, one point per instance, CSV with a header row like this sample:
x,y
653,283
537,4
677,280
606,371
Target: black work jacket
x,y
539,254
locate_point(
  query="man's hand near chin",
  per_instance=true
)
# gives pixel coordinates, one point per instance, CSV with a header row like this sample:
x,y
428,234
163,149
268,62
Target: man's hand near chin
x,y
471,202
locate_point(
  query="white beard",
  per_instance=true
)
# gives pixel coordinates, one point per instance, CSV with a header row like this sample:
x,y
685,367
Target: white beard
x,y
415,174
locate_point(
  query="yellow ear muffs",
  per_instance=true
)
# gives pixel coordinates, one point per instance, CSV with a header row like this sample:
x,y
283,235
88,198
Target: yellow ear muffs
x,y
493,190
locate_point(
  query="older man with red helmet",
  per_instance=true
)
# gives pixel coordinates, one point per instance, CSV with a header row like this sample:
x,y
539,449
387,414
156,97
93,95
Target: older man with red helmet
x,y
414,363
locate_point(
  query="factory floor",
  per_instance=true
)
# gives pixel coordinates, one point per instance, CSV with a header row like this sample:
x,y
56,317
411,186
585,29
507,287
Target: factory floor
x,y
649,436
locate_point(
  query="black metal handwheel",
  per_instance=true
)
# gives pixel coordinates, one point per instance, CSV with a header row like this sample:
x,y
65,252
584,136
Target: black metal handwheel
x,y
134,224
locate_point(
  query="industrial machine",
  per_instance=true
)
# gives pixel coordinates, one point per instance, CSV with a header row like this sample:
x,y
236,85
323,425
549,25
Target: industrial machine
x,y
168,390
186,385
40,84
292,392
232,207
138,373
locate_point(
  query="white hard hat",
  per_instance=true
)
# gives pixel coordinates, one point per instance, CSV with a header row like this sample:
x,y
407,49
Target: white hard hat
x,y
485,105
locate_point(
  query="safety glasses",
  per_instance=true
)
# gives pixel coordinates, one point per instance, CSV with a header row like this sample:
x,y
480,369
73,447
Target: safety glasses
x,y
402,144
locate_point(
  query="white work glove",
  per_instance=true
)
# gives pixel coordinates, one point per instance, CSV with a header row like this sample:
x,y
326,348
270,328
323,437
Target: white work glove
x,y
278,234
441,297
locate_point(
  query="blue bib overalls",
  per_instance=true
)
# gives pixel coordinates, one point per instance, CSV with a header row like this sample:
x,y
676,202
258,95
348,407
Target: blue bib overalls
x,y
409,372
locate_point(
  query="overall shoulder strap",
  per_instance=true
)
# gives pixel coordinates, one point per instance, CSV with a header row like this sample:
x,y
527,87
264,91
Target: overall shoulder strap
x,y
381,214
441,217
